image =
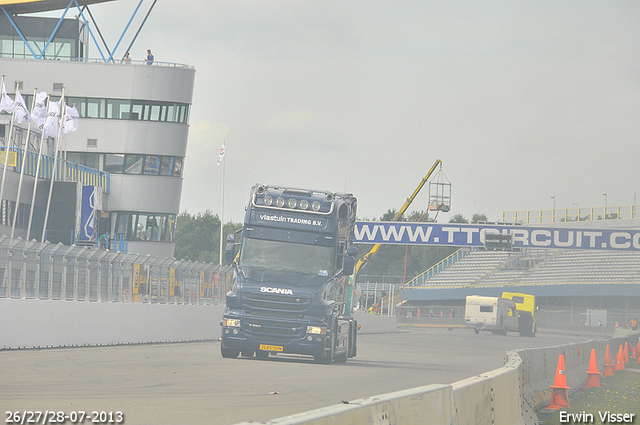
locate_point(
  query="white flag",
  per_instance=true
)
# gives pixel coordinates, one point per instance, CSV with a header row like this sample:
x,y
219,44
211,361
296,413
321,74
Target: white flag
x,y
21,112
71,120
40,108
221,156
6,103
51,123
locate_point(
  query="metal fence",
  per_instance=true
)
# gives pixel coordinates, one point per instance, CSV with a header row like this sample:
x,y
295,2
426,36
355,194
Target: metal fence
x,y
46,271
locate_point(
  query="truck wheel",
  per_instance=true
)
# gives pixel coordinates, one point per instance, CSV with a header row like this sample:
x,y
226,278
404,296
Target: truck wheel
x,y
476,330
262,354
328,356
246,353
229,353
340,358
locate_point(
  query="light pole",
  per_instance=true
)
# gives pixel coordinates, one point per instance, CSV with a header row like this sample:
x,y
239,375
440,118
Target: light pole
x,y
553,213
605,204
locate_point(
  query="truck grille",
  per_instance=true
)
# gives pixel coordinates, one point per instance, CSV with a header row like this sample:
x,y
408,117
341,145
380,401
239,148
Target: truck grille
x,y
272,331
275,306
280,302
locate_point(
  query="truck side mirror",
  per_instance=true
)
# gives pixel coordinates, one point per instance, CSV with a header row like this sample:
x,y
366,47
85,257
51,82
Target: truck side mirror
x,y
349,263
348,266
229,252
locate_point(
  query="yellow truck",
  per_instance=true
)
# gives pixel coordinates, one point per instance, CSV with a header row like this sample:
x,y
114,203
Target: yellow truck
x,y
512,312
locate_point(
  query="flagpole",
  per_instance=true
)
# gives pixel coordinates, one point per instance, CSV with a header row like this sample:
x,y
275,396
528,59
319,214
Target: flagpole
x,y
222,205
63,108
35,180
8,145
24,160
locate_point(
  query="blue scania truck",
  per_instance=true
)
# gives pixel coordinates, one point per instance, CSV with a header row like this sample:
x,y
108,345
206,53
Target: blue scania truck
x,y
291,291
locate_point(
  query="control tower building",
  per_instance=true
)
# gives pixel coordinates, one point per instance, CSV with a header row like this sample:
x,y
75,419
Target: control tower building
x,y
131,139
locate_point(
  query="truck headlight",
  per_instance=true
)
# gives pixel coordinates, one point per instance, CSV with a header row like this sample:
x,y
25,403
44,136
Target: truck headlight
x,y
232,323
316,330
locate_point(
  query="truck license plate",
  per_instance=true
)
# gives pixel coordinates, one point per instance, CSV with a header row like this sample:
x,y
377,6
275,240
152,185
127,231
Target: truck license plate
x,y
271,347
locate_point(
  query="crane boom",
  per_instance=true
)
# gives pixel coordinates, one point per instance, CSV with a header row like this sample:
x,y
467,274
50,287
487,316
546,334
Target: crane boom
x,y
374,249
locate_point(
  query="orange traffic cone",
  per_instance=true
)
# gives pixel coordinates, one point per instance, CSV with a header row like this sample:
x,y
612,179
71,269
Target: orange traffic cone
x,y
619,360
626,352
608,365
594,376
560,395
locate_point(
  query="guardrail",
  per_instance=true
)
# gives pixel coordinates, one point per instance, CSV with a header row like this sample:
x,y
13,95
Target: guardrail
x,y
437,268
567,215
65,170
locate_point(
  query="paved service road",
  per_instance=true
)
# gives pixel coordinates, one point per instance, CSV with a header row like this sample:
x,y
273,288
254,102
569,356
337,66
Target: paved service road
x,y
191,382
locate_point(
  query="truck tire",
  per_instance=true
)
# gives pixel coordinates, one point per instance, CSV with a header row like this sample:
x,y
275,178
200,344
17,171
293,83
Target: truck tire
x,y
476,330
246,353
329,351
340,358
262,354
229,353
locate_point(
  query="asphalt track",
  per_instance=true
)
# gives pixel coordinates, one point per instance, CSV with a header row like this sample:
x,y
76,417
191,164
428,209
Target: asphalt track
x,y
191,382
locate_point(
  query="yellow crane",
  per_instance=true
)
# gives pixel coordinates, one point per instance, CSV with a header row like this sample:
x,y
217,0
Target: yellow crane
x,y
374,249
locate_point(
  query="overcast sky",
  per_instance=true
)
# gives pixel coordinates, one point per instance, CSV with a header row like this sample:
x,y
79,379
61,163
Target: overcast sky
x,y
520,100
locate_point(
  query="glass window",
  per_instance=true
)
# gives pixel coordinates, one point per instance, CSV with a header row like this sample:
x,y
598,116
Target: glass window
x,y
119,109
113,163
177,167
133,164
95,108
152,165
92,160
123,225
166,227
144,226
171,113
78,103
287,256
180,113
166,164
186,114
6,48
136,111
155,113
77,157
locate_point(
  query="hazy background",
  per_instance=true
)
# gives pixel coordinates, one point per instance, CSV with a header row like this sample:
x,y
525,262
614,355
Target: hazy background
x,y
520,100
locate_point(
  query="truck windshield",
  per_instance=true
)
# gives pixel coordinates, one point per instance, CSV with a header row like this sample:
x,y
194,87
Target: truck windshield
x,y
287,257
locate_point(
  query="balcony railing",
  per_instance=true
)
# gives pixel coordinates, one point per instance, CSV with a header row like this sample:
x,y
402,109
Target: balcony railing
x,y
65,170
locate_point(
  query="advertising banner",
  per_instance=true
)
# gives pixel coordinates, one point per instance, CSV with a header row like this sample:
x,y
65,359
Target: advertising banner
x,y
89,205
473,235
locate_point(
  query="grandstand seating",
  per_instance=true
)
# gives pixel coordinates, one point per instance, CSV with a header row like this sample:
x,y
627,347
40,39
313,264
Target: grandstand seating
x,y
537,266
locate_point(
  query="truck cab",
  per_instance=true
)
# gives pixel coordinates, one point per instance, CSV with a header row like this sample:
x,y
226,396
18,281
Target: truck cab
x,y
293,259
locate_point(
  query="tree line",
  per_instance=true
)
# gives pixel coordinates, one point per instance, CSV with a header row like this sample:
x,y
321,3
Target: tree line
x,y
198,239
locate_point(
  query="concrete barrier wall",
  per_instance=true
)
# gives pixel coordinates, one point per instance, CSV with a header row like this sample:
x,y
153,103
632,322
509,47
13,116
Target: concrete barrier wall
x,y
506,396
32,323
41,323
